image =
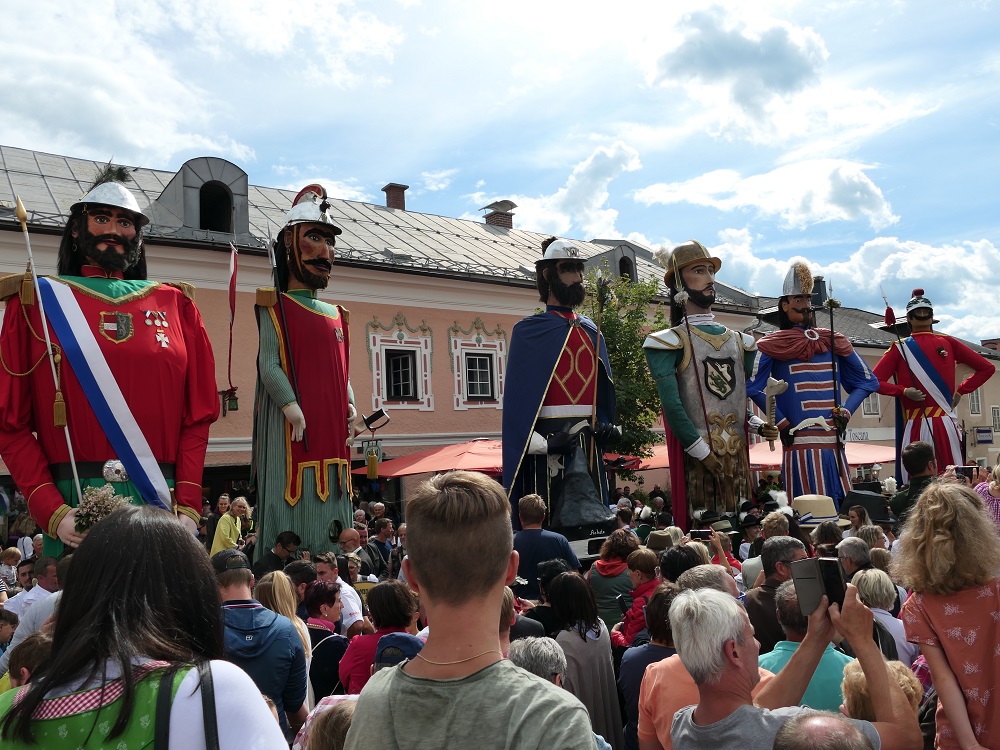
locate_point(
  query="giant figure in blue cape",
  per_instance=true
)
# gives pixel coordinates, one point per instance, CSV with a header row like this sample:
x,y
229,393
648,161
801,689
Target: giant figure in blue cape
x,y
558,378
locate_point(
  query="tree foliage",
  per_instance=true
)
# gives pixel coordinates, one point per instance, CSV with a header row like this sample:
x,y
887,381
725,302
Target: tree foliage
x,y
627,313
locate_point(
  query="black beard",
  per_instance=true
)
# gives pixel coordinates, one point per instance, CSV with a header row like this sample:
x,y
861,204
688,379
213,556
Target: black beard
x,y
567,295
702,299
312,280
922,314
109,258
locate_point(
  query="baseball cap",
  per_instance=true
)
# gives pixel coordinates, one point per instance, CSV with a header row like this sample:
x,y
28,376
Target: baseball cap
x,y
229,559
394,648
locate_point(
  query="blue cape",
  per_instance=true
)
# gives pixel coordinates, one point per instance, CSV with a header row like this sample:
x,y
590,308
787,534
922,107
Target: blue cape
x,y
535,347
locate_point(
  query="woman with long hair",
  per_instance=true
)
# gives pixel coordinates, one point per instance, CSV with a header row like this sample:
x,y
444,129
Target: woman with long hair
x,y
990,493
858,516
590,672
140,613
275,591
322,600
949,552
229,532
608,576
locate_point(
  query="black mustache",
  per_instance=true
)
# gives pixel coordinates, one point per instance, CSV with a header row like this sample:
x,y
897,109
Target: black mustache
x,y
320,263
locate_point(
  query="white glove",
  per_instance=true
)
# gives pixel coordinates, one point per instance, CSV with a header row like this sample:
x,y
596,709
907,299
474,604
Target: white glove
x,y
537,445
293,413
352,417
188,523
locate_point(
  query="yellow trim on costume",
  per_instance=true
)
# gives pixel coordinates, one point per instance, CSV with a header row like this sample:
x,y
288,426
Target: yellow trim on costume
x,y
140,294
541,403
57,516
292,297
186,289
104,333
321,473
685,350
189,512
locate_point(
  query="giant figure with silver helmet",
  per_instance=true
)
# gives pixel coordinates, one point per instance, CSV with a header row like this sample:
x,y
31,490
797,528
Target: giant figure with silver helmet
x,y
134,367
559,402
304,407
808,412
701,368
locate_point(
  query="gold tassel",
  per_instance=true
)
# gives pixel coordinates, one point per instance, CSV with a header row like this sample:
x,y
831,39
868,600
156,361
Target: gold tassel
x,y
266,296
59,411
27,288
372,460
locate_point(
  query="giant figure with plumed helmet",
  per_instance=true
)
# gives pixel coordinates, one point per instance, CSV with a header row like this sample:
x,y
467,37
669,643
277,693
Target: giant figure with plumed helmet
x,y
130,395
304,408
701,368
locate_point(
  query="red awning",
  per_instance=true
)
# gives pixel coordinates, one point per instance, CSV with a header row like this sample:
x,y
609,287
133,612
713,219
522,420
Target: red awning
x,y
858,454
481,455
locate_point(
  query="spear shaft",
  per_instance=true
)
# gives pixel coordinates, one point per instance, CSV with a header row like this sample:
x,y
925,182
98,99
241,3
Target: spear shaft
x,y
22,216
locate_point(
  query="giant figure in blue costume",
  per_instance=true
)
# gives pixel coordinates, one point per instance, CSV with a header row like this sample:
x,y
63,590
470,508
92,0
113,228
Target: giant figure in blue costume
x,y
558,379
809,413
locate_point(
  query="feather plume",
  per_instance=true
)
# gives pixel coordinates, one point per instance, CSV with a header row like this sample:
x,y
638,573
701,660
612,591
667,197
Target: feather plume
x,y
110,173
805,278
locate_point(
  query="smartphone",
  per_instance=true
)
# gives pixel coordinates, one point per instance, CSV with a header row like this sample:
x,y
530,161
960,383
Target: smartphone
x,y
624,602
966,471
834,579
815,577
700,534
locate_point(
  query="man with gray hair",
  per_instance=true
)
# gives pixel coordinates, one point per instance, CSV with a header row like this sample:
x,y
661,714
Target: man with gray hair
x,y
708,577
716,643
824,691
777,556
854,554
818,730
544,658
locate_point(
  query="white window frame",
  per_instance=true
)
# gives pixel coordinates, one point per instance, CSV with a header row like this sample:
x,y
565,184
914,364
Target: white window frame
x,y
976,402
409,356
486,366
996,418
400,335
871,406
475,341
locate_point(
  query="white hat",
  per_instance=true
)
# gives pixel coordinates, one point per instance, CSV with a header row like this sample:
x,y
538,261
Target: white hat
x,y
560,250
815,509
918,300
113,194
311,207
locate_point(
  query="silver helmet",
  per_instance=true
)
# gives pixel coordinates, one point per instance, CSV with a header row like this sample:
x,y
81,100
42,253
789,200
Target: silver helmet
x,y
798,280
112,194
311,207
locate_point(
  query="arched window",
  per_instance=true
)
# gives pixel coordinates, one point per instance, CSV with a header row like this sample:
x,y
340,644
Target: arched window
x,y
625,268
216,207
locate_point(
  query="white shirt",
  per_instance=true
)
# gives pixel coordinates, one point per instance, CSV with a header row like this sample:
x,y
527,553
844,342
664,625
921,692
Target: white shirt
x,y
351,605
19,603
906,651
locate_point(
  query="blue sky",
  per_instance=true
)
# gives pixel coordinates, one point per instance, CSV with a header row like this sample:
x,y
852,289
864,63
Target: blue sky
x,y
859,136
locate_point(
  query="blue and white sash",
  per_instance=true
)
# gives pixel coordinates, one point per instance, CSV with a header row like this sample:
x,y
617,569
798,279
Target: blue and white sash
x,y
102,391
928,378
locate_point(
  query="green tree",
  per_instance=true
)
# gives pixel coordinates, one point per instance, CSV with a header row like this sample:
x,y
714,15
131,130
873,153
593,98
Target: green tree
x,y
628,311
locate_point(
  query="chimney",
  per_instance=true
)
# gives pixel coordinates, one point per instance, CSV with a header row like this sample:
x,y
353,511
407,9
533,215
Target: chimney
x,y
395,195
819,295
500,214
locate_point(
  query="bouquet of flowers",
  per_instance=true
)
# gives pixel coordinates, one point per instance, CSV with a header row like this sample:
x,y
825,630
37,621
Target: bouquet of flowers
x,y
97,503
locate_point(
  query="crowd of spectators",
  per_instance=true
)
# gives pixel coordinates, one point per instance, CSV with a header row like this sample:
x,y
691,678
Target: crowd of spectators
x,y
472,635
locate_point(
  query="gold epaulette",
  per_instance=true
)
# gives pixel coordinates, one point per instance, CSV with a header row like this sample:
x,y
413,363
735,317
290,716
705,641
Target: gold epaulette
x,y
11,285
266,296
345,314
186,289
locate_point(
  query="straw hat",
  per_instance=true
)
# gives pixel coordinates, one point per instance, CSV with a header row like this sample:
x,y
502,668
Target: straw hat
x,y
815,509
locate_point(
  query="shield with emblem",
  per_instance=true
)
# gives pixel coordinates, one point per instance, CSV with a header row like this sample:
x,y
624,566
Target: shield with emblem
x,y
720,375
116,326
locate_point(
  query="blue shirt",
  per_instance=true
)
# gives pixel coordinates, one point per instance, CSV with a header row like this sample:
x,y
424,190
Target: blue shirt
x,y
535,546
823,692
634,663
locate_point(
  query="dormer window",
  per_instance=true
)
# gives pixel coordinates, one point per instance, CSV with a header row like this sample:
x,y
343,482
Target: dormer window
x,y
216,207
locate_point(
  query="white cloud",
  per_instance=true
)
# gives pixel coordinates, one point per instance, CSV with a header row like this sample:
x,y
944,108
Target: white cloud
x,y
438,180
800,194
581,202
957,277
753,64
348,190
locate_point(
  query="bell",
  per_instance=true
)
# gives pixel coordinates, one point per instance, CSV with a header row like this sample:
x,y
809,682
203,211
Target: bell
x,y
234,403
371,458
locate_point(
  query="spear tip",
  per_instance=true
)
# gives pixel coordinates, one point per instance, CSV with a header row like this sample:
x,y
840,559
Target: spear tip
x,y
22,215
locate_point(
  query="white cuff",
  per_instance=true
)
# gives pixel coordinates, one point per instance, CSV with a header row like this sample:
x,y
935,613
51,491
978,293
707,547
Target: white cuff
x,y
699,449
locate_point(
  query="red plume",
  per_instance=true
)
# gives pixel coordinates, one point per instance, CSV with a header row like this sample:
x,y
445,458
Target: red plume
x,y
890,317
319,190
917,293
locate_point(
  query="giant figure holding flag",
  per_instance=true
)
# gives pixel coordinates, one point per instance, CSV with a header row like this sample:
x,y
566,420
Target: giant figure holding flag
x,y
303,474
129,391
920,372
